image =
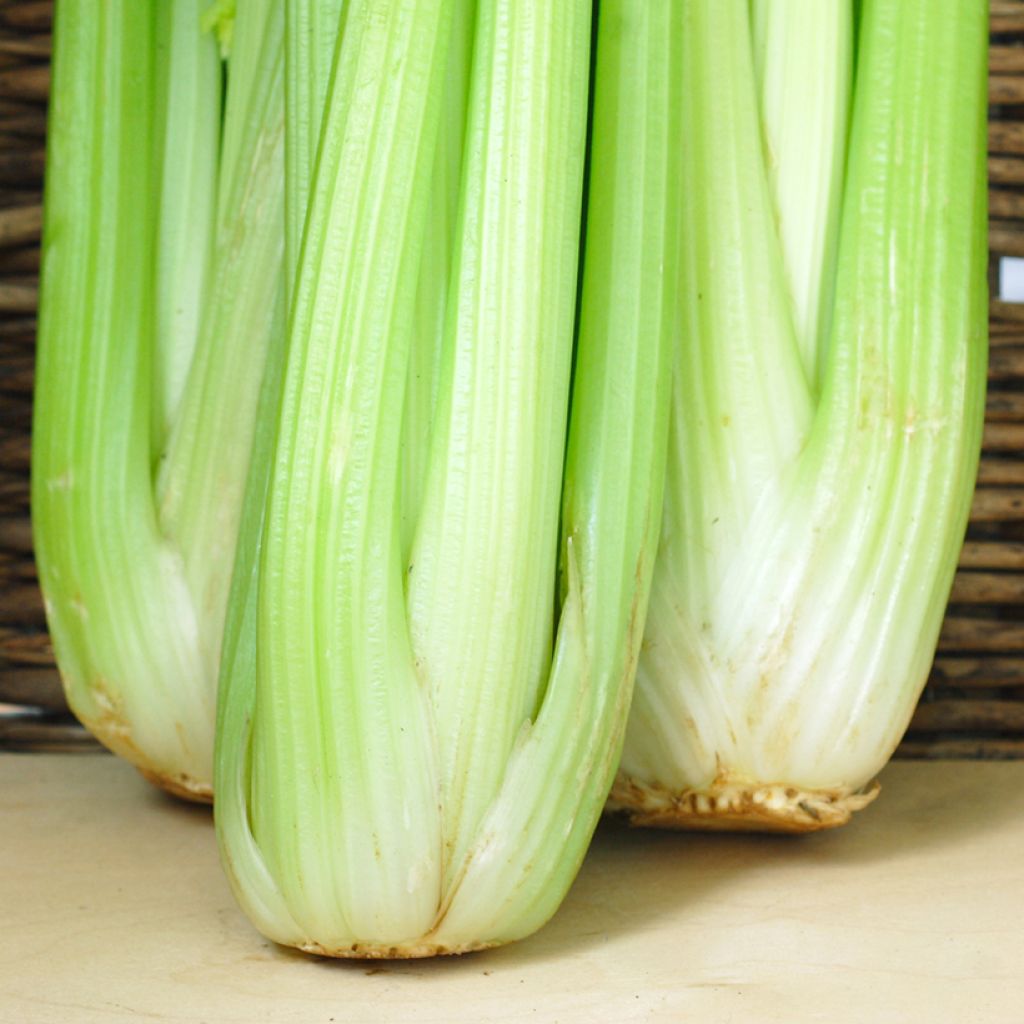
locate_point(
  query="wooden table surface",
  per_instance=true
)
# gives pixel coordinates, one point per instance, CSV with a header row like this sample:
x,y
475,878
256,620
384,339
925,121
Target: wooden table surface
x,y
113,908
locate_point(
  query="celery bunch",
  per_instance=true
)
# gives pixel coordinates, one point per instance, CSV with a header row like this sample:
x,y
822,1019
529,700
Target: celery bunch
x,y
370,414
828,395
416,732
161,288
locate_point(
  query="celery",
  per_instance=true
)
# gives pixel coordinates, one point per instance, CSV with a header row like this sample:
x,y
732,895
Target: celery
x,y
408,763
810,535
138,473
311,28
327,595
803,53
435,273
480,614
119,612
186,135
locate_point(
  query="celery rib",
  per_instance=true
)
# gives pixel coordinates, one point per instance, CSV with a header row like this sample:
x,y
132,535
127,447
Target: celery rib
x,y
341,786
803,52
153,267
341,824
480,611
790,653
531,840
187,137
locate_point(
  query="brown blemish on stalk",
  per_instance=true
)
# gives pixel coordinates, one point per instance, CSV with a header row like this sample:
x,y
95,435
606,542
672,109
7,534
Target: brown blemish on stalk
x,y
182,786
110,726
634,609
729,805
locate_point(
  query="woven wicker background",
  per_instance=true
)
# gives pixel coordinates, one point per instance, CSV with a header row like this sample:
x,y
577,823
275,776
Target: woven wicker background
x,y
974,703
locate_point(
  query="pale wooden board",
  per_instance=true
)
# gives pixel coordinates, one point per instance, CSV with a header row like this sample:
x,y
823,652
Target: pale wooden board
x,y
113,908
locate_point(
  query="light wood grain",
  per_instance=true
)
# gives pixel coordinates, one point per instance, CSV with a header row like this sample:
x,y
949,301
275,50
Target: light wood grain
x,y
20,224
960,633
18,298
1006,89
27,15
115,909
1005,170
951,671
997,504
977,716
980,554
994,470
1005,236
1006,16
988,588
1005,60
1003,437
937,748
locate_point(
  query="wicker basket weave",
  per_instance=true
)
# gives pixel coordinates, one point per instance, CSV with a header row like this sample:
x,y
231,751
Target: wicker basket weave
x,y
974,703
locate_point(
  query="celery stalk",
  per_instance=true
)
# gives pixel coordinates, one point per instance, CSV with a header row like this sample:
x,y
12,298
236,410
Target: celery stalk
x,y
803,54
339,774
532,835
119,612
435,273
311,31
136,558
202,476
798,598
335,810
187,138
484,554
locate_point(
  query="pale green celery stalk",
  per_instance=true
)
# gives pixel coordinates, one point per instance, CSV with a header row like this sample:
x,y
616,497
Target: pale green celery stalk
x,y
187,140
311,33
777,679
119,611
120,614
803,55
330,814
202,476
327,812
435,274
484,555
136,570
311,38
531,838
